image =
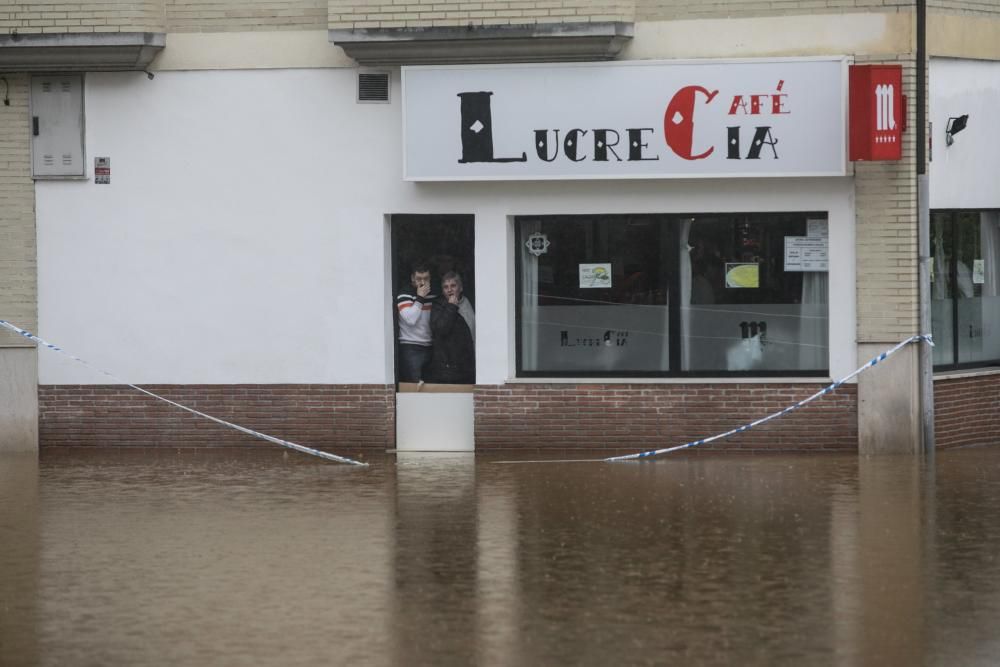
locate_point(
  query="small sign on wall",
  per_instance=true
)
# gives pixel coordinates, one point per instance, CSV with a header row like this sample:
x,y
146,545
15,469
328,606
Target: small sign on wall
x,y
102,170
595,276
807,253
877,112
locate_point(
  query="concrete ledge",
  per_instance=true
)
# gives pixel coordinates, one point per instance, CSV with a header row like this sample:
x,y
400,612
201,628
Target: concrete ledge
x,y
18,399
701,380
437,422
75,52
889,403
484,44
969,373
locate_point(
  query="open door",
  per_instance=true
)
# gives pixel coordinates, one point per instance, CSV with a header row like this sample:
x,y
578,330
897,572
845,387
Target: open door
x,y
434,332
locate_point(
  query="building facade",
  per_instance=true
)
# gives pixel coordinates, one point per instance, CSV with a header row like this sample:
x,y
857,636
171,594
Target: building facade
x,y
651,203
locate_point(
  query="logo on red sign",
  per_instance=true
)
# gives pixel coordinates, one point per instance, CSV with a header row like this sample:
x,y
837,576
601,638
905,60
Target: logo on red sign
x,y
876,117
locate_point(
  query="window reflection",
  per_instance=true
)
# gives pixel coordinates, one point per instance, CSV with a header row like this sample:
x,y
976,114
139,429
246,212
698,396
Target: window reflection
x,y
663,295
965,287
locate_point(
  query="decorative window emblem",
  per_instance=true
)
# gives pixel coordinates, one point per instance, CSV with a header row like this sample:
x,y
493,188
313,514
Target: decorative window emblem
x,y
537,244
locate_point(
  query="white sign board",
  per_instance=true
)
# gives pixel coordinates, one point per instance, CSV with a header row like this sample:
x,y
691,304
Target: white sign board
x,y
807,253
642,119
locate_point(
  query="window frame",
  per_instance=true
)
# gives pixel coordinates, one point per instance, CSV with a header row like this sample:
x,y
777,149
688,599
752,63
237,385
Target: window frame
x,y
668,220
953,214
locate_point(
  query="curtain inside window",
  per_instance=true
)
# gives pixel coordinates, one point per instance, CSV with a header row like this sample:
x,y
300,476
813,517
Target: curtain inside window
x,y
989,234
529,298
812,324
684,262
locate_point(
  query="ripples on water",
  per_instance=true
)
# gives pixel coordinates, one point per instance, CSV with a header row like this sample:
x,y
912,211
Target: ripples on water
x,y
242,557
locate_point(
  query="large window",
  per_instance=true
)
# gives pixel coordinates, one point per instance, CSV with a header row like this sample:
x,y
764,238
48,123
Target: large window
x,y
658,295
965,288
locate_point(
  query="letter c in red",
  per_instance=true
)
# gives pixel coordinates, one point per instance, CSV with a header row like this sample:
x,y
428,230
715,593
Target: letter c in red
x,y
678,121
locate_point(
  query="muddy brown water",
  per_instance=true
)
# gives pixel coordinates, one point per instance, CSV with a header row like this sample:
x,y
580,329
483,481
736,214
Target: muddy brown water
x,y
249,557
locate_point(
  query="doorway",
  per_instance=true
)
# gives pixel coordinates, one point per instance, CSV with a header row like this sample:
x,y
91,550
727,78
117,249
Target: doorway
x,y
432,414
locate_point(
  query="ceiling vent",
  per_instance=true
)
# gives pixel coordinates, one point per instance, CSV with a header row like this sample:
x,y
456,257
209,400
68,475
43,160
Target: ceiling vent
x,y
373,87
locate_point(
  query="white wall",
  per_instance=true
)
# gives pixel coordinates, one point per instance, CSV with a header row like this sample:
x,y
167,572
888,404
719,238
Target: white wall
x,y
242,238
965,174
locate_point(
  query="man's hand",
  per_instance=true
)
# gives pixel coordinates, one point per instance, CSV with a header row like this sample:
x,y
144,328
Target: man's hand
x,y
424,290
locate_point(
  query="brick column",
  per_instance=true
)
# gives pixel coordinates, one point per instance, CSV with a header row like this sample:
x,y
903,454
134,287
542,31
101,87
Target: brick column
x,y
18,272
888,291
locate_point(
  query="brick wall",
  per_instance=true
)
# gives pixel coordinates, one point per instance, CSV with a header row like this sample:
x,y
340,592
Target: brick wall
x,y
980,7
245,15
337,418
663,10
55,16
555,417
967,411
886,233
18,273
549,417
347,14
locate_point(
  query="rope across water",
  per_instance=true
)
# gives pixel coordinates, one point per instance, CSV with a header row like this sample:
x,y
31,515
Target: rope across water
x,y
822,392
242,429
746,427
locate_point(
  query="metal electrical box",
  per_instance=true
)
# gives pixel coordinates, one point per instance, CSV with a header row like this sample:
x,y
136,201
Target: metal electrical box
x,y
57,126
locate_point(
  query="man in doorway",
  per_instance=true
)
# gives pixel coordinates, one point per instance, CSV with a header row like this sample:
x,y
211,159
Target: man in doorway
x,y
414,307
453,325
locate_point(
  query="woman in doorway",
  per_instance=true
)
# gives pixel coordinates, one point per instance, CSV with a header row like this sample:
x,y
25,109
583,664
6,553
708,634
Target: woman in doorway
x,y
453,327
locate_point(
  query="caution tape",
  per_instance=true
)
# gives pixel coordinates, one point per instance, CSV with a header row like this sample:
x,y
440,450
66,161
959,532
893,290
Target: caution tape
x,y
822,392
257,434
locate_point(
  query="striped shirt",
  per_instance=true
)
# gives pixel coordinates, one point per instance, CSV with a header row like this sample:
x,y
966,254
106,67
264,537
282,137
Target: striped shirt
x,y
414,317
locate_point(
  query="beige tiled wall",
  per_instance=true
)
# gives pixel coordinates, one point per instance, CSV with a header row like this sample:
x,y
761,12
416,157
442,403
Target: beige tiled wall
x,y
18,286
984,7
662,10
886,233
61,16
245,15
347,14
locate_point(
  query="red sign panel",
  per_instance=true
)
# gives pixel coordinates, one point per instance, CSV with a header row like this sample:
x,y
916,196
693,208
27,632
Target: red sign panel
x,y
877,114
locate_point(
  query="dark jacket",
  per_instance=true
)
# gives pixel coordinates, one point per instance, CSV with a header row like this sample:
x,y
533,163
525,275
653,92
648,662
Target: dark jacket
x,y
453,360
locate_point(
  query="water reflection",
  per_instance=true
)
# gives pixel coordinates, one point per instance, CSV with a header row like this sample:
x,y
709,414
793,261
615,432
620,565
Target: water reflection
x,y
259,558
20,550
435,560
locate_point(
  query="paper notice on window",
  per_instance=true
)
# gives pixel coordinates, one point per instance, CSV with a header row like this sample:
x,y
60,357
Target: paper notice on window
x,y
817,228
742,275
595,276
807,253
978,271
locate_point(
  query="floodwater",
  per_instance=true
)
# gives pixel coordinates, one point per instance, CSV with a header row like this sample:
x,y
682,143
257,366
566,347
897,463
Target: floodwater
x,y
248,557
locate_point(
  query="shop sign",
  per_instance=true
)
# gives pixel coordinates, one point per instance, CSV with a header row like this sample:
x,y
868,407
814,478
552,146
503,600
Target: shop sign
x,y
877,112
643,119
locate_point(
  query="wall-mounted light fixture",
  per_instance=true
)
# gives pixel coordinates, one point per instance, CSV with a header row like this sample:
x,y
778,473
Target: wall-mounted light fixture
x,y
955,125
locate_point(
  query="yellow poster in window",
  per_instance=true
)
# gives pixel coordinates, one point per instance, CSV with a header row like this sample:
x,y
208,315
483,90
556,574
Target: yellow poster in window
x,y
743,275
